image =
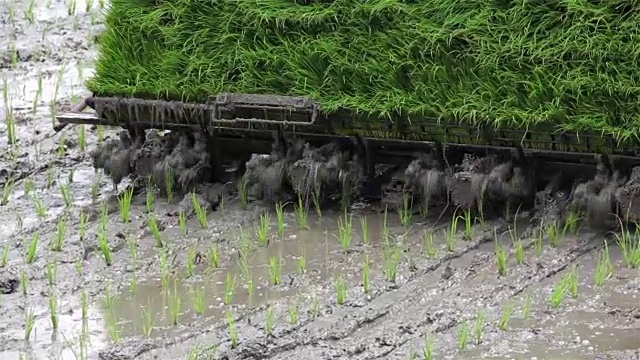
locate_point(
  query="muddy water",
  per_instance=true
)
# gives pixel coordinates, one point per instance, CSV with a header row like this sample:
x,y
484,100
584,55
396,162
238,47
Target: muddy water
x,y
438,286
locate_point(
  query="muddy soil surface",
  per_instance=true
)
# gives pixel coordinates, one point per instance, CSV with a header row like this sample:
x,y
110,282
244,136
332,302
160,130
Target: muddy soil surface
x,y
79,279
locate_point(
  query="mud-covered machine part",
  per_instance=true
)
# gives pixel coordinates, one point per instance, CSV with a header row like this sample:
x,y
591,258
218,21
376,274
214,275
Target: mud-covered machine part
x,y
467,166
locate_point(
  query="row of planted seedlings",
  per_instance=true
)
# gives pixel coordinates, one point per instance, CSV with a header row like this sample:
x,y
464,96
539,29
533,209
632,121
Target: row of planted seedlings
x,y
567,284
345,235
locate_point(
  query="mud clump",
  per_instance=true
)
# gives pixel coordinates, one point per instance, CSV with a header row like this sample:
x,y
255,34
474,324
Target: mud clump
x,y
167,162
426,179
327,172
9,281
475,184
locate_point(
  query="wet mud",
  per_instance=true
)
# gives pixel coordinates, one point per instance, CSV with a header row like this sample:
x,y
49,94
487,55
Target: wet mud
x,y
195,271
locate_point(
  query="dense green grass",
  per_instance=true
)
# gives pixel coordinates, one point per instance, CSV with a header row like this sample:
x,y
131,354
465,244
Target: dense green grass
x,y
572,63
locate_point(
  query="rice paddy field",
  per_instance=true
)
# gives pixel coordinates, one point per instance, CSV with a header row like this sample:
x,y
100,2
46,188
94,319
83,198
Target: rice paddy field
x,y
90,272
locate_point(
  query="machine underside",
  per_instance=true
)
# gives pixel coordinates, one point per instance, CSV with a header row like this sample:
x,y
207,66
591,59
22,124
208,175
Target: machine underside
x,y
345,156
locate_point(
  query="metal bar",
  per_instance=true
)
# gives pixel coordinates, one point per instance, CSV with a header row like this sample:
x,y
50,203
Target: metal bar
x,y
261,121
91,119
76,109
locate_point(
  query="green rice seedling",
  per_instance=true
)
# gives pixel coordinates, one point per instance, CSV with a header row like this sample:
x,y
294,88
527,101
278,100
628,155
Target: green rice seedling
x,y
32,249
468,225
559,292
315,197
572,282
366,269
169,182
411,355
61,234
404,212
29,14
82,137
164,269
62,146
147,321
270,321
109,297
428,347
100,132
243,191
275,270
263,229
537,241
506,316
341,290
302,214
201,210
430,248
124,201
71,7
604,266
280,219
53,310
526,311
84,225
214,257
7,190
191,262
553,233
245,243
29,186
479,326
29,323
364,229
251,286
391,262
630,246
385,234
519,252
84,304
133,284
112,326
501,258
463,336
41,208
5,255
65,190
315,307
24,283
150,200
95,189
345,231
133,250
302,262
104,218
103,244
199,304
233,332
572,223
230,289
12,16
79,265
52,272
293,313
175,304
155,230
450,234
12,132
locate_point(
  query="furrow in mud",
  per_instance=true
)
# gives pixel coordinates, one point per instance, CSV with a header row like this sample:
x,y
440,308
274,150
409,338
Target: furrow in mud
x,y
397,317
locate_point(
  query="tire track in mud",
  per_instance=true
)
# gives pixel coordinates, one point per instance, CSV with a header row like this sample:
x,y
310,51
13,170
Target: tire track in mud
x,y
395,318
